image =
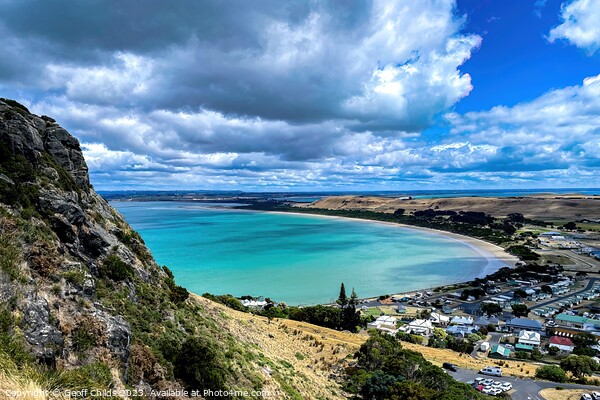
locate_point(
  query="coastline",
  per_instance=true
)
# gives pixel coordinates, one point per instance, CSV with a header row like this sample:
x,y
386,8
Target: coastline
x,y
492,253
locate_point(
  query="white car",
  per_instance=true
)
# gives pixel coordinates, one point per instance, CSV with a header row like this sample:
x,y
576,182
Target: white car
x,y
488,390
586,397
487,382
495,392
496,385
506,386
596,395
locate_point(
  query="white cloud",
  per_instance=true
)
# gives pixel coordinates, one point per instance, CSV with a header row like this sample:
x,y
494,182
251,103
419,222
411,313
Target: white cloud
x,y
581,24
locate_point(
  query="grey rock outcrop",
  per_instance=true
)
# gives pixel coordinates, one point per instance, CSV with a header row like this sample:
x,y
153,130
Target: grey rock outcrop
x,y
46,340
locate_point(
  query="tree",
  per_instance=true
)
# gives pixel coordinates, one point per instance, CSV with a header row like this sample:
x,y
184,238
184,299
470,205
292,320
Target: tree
x,y
399,212
570,226
552,373
546,289
583,344
536,355
520,310
199,365
342,299
353,298
520,293
351,317
579,366
491,308
516,217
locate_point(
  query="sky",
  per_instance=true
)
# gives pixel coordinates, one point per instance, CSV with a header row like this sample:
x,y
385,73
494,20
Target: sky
x,y
315,95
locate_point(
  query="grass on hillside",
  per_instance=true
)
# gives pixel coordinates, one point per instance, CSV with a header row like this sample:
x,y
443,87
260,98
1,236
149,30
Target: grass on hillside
x,y
569,394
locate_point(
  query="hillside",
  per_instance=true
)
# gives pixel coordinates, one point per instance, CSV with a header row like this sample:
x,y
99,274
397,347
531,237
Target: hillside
x,y
544,207
83,304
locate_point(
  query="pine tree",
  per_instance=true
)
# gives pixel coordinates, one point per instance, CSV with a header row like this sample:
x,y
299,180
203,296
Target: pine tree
x,y
343,299
353,298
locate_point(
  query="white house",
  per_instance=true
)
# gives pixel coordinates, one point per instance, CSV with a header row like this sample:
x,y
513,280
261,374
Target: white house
x,y
384,323
562,343
418,327
439,319
254,303
530,338
458,320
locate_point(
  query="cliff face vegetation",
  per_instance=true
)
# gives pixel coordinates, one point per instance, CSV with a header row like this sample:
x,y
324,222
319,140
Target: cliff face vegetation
x,y
82,302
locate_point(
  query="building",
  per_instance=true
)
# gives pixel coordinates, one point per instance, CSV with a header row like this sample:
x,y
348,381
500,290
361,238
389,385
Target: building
x,y
385,323
461,330
519,324
439,319
421,327
562,343
530,338
571,321
483,321
458,320
254,303
499,351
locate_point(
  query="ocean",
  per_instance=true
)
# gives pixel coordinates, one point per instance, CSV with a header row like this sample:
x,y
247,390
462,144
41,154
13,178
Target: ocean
x,y
298,259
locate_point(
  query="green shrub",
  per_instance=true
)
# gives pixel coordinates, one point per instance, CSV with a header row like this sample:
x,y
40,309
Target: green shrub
x,y
83,339
75,277
200,365
552,373
116,269
10,257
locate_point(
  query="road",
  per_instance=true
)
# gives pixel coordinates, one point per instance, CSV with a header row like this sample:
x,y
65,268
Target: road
x,y
570,294
523,389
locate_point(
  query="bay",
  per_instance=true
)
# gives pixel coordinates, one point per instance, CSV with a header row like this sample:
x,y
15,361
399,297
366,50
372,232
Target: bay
x,y
299,259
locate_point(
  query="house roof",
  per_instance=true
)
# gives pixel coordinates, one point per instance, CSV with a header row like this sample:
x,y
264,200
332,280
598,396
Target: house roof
x,y
524,323
571,318
529,336
386,319
561,341
421,323
486,321
499,349
462,320
526,347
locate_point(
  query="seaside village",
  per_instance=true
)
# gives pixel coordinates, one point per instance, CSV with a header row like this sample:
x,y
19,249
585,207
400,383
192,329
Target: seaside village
x,y
518,314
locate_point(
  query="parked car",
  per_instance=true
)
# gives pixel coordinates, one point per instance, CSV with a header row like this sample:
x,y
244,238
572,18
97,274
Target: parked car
x,y
494,371
506,386
450,367
586,396
596,395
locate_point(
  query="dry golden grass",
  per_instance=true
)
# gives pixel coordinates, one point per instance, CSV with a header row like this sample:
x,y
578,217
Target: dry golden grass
x,y
302,355
439,356
541,207
553,394
15,386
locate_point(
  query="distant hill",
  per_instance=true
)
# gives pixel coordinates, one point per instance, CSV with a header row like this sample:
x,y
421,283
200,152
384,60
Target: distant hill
x,y
544,206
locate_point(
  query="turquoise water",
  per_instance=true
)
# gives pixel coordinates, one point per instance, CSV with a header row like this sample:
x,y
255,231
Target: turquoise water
x,y
298,259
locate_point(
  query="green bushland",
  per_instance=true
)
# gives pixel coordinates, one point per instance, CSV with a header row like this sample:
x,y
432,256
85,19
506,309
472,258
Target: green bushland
x,y
386,370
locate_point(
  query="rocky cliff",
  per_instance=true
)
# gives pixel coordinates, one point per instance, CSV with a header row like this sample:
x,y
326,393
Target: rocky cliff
x,y
80,293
